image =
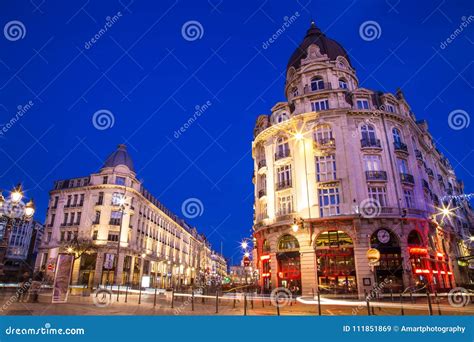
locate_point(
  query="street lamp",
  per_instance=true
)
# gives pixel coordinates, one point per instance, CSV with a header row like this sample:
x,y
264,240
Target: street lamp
x,y
122,203
14,210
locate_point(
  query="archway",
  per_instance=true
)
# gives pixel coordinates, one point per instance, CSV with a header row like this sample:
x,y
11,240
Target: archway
x,y
335,262
389,271
289,269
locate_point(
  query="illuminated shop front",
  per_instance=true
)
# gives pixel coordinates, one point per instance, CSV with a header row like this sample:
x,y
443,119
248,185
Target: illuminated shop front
x,y
289,270
390,267
265,261
335,262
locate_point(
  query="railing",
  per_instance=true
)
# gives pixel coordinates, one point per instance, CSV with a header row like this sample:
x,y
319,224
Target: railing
x,y
282,154
429,172
262,163
325,143
426,185
262,193
370,143
115,222
376,175
419,155
399,146
321,86
284,184
407,178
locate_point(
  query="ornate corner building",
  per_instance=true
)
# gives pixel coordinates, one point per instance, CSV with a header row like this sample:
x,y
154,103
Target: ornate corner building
x,y
340,169
90,216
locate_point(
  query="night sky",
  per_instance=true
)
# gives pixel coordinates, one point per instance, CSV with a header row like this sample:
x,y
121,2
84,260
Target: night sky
x,y
151,77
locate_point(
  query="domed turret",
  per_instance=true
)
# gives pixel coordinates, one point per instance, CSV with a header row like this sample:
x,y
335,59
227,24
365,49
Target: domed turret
x,y
119,157
327,46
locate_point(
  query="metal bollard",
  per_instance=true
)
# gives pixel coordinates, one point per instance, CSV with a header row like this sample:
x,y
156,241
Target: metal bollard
x,y
437,302
401,305
192,301
154,299
368,305
126,293
118,292
217,302
140,295
172,298
245,303
430,307
278,307
319,303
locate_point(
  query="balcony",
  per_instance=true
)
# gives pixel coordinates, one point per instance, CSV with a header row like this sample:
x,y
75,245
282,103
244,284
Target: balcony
x,y
400,147
370,143
325,143
282,154
429,172
262,193
406,178
426,185
284,184
418,155
321,87
261,163
376,175
115,222
440,179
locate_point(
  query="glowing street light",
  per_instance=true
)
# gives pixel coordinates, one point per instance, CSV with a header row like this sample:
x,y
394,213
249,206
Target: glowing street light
x,y
17,194
299,136
247,254
244,244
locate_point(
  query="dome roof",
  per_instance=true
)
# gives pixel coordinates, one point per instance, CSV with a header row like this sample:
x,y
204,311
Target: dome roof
x,y
327,46
119,157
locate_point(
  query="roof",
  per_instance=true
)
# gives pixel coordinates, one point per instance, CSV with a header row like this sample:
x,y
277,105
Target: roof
x,y
119,157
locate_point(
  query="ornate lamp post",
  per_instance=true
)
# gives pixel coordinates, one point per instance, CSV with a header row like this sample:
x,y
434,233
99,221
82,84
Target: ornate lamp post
x,y
13,210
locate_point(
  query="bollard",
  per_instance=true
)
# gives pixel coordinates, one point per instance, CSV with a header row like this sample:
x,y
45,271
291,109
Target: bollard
x,y
118,292
429,302
391,295
140,295
437,302
368,305
235,294
263,300
251,301
126,293
278,307
192,301
401,305
411,298
319,303
172,298
245,303
217,302
154,300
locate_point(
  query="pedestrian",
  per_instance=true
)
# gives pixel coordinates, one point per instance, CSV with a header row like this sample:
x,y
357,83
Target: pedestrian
x,y
35,287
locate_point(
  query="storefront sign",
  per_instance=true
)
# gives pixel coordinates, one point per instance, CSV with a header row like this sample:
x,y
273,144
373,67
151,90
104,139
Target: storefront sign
x,y
373,255
62,278
145,281
109,261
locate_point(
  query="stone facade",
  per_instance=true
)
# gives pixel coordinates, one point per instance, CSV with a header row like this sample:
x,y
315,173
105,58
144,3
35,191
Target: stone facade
x,y
340,169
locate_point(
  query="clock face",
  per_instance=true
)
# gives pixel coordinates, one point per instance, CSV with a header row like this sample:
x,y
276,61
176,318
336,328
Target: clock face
x,y
383,236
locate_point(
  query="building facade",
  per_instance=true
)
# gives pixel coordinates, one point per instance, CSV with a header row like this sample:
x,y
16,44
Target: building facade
x,y
90,216
341,169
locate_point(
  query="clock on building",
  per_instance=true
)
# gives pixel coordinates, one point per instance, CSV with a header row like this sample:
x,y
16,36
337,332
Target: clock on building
x,y
383,236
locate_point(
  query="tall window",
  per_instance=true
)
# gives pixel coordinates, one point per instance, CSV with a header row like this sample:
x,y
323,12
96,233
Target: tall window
x,y
285,205
283,149
117,198
390,108
317,83
284,175
326,168
320,105
402,165
372,162
120,180
362,104
368,132
323,134
100,199
342,83
294,91
115,217
329,201
262,182
379,194
408,194
397,136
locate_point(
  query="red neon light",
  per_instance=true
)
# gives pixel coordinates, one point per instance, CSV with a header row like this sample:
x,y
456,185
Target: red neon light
x,y
439,254
418,250
450,273
443,272
422,271
435,272
266,275
265,257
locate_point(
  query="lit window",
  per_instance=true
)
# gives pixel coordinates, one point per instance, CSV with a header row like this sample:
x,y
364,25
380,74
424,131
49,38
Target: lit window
x,y
117,198
285,205
120,180
323,134
372,163
368,133
326,168
402,165
329,201
320,105
362,104
397,136
379,194
408,198
284,176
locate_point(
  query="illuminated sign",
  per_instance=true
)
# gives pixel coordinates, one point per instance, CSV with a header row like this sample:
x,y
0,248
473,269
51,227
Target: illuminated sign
x,y
418,250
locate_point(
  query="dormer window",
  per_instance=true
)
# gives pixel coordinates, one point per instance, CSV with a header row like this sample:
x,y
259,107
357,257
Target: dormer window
x,y
317,83
294,91
362,104
281,117
343,83
390,108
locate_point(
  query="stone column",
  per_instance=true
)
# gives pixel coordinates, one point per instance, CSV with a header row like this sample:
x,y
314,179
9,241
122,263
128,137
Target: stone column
x,y
120,261
363,270
308,271
407,271
75,271
99,263
274,268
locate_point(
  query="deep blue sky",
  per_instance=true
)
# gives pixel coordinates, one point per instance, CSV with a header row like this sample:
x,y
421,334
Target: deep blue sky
x,y
151,79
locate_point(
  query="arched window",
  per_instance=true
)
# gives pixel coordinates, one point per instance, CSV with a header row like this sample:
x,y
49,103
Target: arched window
x,y
317,83
414,239
288,242
294,92
397,136
281,117
343,83
323,134
368,132
266,246
282,148
334,239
